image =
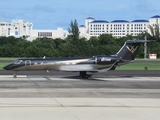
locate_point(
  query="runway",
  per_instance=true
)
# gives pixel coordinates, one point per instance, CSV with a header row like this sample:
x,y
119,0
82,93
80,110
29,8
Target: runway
x,y
122,95
117,73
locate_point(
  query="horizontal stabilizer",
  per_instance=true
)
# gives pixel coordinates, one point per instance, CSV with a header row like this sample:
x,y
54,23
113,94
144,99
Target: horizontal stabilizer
x,y
139,41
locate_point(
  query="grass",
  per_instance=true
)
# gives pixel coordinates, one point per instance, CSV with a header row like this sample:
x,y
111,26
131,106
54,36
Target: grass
x,y
140,66
3,64
7,58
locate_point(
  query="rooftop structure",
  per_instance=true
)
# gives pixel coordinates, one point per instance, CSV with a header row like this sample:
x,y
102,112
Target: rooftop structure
x,y
92,27
17,28
59,33
117,28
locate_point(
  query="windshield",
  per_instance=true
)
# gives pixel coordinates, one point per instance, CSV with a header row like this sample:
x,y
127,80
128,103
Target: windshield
x,y
17,62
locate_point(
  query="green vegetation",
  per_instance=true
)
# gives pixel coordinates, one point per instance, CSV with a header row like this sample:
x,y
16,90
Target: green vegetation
x,y
155,31
104,44
3,64
140,66
74,32
8,58
73,45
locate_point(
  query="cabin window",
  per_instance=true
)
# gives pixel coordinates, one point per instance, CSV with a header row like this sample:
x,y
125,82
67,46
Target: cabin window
x,y
73,63
67,63
17,62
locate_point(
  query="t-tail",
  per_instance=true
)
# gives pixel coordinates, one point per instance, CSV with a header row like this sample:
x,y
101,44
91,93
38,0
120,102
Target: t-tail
x,y
129,49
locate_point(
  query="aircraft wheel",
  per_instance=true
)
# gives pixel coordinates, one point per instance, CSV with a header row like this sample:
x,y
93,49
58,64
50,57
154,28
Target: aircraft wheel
x,y
83,74
15,76
80,73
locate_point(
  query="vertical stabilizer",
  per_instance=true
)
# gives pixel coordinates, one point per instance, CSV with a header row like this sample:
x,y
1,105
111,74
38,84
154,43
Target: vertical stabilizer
x,y
129,49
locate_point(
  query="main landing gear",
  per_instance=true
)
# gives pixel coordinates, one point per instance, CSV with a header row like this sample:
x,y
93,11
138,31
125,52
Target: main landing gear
x,y
84,74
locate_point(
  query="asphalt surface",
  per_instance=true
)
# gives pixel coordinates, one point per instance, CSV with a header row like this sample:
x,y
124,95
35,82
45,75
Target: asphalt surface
x,y
121,84
113,95
144,73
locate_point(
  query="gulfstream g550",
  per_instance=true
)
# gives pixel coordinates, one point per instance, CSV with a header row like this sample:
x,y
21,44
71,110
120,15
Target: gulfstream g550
x,y
82,65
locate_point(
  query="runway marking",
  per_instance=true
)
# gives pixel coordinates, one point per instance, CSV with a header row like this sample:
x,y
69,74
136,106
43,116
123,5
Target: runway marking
x,y
80,102
47,78
129,79
75,90
79,106
11,76
53,78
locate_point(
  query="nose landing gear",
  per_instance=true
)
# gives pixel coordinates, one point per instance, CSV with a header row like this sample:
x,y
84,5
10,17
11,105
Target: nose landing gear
x,y
15,75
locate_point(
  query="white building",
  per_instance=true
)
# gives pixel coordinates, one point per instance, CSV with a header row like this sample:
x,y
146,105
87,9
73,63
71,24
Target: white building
x,y
154,19
59,33
92,27
117,28
83,31
17,28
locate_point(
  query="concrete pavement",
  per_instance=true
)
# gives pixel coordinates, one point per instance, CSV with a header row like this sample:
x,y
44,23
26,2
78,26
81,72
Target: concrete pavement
x,y
79,109
62,98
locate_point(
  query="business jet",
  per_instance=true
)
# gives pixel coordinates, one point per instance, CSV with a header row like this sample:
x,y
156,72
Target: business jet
x,y
98,63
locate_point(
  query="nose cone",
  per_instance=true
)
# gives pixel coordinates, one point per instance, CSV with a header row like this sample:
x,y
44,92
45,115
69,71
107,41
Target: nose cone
x,y
7,67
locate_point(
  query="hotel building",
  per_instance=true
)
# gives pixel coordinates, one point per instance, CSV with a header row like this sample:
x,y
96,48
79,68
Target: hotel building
x,y
117,28
92,27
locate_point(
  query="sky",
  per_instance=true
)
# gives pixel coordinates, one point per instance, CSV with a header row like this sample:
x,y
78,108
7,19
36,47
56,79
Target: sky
x,y
52,14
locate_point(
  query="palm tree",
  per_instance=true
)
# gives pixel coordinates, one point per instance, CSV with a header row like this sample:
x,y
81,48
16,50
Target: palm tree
x,y
74,32
155,31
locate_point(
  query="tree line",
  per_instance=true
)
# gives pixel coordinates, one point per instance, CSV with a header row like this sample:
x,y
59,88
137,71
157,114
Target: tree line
x,y
72,46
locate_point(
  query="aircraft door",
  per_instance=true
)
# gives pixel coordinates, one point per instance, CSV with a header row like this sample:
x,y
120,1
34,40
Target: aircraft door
x,y
28,64
95,60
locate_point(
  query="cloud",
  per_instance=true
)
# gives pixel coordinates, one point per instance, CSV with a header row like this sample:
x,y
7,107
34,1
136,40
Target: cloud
x,y
44,8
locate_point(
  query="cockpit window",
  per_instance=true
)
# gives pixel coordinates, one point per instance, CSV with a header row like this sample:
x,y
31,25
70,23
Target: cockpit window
x,y
17,62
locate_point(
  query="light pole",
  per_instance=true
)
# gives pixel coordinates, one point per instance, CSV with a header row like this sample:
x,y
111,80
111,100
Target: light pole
x,y
145,48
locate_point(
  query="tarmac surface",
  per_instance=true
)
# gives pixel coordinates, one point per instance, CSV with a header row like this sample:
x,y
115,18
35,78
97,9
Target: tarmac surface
x,y
117,73
113,95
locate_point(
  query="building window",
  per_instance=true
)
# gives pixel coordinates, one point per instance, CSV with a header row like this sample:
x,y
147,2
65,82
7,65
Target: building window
x,y
16,32
45,34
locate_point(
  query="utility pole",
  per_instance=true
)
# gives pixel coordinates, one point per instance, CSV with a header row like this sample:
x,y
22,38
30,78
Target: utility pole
x,y
145,48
